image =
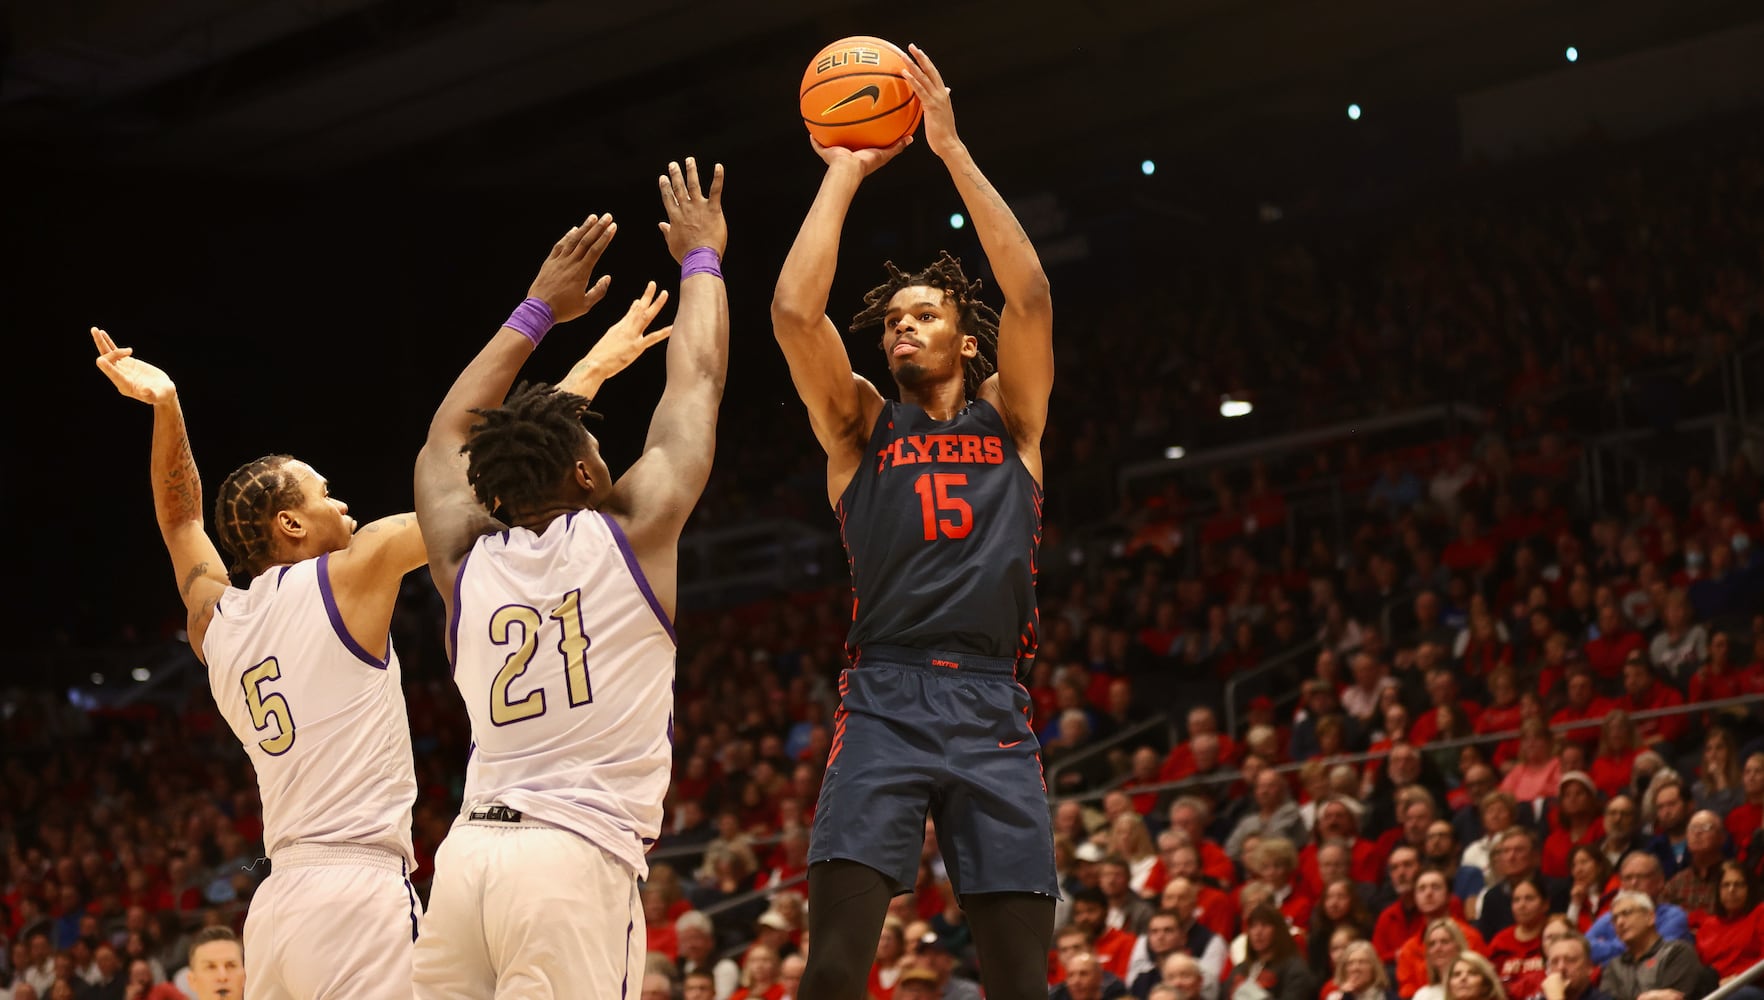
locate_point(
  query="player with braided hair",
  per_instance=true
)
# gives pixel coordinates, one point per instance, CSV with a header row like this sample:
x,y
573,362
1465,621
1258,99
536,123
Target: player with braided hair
x,y
938,497
302,668
560,622
961,295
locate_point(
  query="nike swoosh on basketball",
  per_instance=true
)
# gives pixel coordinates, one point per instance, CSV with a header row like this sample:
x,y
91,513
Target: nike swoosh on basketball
x,y
873,92
1002,745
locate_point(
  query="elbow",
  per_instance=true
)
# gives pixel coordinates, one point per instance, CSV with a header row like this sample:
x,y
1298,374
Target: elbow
x,y
791,313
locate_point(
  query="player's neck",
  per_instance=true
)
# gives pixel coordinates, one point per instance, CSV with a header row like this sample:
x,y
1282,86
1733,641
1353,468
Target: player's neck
x,y
536,520
940,400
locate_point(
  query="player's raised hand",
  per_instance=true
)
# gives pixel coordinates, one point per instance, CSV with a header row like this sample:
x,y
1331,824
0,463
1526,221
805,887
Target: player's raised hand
x,y
871,160
565,273
132,377
940,128
620,346
695,216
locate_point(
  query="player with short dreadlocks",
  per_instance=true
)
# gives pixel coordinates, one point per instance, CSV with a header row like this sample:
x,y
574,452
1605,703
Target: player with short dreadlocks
x,y
302,668
560,621
938,497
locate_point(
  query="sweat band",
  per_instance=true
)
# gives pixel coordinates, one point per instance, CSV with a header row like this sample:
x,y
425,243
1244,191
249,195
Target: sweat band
x,y
532,319
701,260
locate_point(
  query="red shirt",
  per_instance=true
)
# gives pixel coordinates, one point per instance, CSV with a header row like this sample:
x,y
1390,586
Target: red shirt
x,y
1730,945
1473,555
1426,728
1520,964
1595,710
1742,823
1216,911
1558,847
1605,655
1611,774
1216,864
1366,866
1180,763
1666,729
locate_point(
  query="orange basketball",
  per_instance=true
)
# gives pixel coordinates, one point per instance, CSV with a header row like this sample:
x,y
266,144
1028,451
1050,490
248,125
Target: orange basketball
x,y
854,96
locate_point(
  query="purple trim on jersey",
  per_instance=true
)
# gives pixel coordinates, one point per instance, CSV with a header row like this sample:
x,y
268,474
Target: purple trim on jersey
x,y
336,617
283,573
453,621
618,534
411,891
630,928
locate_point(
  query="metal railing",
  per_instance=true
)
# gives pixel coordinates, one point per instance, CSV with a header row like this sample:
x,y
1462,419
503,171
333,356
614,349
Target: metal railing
x,y
1451,744
1744,979
1285,658
1114,741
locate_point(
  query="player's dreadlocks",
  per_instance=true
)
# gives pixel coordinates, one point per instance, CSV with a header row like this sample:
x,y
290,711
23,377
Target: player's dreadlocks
x,y
524,447
243,510
973,317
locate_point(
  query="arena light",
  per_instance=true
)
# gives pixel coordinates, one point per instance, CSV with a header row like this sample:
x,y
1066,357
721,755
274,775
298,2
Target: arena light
x,y
956,221
1573,54
141,674
1175,451
1147,167
97,678
1354,112
1229,407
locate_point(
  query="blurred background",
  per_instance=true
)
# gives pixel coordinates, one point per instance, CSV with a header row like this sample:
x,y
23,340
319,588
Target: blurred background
x,y
1381,328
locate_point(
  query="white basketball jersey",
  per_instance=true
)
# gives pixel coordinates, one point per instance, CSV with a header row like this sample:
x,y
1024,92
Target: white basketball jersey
x,y
566,662
322,720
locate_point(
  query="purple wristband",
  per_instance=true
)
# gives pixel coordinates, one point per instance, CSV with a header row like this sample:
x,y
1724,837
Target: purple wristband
x,y
532,319
701,260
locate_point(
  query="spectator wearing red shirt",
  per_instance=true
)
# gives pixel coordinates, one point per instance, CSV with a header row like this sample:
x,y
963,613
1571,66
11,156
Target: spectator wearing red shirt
x,y
1470,552
1114,948
1614,764
1718,678
1182,761
1517,951
1641,693
1337,824
1442,690
1746,820
1190,815
1275,863
1214,909
1578,821
1615,644
1503,712
1433,900
1730,938
1583,705
1399,921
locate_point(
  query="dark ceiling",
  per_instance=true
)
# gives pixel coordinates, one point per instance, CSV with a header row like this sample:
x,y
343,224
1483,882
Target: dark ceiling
x,y
472,93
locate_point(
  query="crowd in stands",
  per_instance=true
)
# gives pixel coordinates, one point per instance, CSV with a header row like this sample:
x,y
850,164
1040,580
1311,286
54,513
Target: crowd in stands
x,y
1471,799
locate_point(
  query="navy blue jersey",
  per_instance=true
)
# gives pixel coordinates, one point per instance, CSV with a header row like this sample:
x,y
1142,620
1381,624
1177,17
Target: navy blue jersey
x,y
941,524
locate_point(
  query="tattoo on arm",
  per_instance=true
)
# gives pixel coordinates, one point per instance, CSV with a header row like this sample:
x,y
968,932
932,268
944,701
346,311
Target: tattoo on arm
x,y
182,487
401,521
991,194
197,572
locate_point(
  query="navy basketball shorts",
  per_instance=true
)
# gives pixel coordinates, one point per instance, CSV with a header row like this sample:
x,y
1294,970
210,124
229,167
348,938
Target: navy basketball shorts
x,y
946,734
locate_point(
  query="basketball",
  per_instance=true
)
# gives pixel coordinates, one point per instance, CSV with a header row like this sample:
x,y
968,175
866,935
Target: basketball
x,y
854,96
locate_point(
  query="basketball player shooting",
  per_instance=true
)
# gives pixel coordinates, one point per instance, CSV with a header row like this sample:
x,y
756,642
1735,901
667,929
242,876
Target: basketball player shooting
x,y
302,668
939,500
560,622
